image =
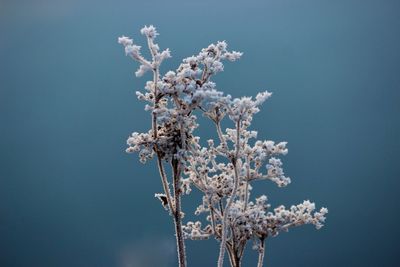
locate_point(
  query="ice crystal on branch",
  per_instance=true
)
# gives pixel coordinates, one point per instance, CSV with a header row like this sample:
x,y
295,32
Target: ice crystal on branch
x,y
223,170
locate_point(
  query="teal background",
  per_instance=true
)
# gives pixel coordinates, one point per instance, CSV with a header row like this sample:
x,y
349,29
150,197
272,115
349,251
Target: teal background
x,y
71,197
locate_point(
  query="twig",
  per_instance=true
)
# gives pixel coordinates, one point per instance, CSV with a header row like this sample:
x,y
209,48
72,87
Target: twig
x,y
261,252
231,199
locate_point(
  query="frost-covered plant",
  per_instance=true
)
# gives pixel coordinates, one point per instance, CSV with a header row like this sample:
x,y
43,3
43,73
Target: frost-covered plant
x,y
224,169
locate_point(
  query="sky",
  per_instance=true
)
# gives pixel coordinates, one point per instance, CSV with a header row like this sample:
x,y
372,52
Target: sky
x,y
71,196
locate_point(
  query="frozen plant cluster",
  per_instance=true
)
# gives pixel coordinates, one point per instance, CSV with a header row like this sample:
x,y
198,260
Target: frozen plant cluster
x,y
223,170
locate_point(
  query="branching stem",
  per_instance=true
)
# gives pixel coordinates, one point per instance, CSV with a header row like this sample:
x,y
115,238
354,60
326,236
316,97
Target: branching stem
x,y
231,199
174,207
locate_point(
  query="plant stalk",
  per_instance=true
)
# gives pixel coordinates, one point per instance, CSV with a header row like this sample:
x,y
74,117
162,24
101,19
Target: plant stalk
x,y
233,258
177,214
231,199
261,253
175,209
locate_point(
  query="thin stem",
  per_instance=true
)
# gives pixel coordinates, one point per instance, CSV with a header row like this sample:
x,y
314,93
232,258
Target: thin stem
x,y
156,100
261,252
221,210
246,194
242,245
233,257
237,139
219,131
165,185
231,199
213,219
150,44
246,191
163,176
177,214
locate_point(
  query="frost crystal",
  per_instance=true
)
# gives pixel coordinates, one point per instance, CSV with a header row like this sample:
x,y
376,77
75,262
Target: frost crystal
x,y
223,170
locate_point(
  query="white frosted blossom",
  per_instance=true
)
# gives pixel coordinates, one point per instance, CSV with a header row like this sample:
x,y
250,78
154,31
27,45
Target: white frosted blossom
x,y
149,31
142,70
125,41
223,170
142,143
275,172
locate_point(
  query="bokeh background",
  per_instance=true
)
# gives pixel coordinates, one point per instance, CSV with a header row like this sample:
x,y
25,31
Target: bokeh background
x,y
71,197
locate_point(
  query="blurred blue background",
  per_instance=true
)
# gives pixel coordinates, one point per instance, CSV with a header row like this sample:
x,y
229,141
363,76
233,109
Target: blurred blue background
x,y
70,195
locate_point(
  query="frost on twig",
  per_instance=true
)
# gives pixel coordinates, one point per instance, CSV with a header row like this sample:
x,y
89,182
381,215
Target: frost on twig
x,y
223,170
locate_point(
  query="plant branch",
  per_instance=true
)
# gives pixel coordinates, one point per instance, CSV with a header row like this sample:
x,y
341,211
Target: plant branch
x,y
165,184
177,214
246,190
163,176
261,252
231,199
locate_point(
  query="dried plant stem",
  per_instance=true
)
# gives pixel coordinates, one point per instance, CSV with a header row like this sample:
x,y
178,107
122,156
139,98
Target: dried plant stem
x,y
261,253
246,194
154,115
231,199
219,131
165,185
213,219
163,176
233,258
175,209
177,214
